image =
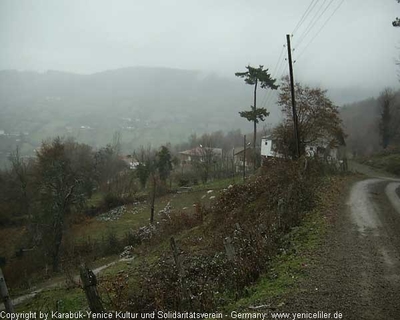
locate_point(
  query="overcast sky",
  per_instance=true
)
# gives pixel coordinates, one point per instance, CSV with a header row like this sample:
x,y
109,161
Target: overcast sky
x,y
357,47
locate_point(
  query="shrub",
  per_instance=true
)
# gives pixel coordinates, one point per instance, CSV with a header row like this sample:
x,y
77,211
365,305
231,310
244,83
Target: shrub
x,y
111,200
241,232
186,179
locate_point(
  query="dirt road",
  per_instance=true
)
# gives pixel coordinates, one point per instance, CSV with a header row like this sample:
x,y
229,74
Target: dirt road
x,y
357,270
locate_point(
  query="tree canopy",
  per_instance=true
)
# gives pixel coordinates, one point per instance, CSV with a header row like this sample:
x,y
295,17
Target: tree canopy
x,y
318,117
256,76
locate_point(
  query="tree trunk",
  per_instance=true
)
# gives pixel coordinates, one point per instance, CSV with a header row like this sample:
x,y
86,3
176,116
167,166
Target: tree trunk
x,y
255,125
4,294
57,243
153,199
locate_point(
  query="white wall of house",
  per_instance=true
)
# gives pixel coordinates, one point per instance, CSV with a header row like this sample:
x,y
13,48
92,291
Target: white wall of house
x,y
267,148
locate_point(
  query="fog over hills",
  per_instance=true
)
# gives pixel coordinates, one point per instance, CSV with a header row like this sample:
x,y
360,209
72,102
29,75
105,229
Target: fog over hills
x,y
147,105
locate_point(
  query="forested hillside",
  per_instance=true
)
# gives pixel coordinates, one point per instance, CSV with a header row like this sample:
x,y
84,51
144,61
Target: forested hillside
x,y
147,105
365,123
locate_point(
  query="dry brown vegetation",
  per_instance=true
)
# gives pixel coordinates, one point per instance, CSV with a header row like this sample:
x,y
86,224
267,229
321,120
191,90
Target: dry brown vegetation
x,y
221,250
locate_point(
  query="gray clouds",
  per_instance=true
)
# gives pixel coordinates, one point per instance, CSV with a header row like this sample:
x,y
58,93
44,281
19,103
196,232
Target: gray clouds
x,y
356,48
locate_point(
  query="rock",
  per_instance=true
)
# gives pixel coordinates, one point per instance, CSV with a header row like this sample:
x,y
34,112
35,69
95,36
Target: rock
x,y
127,253
112,215
165,213
146,232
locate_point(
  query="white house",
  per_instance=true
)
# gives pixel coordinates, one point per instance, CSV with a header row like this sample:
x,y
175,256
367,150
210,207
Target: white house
x,y
268,148
130,161
321,150
199,153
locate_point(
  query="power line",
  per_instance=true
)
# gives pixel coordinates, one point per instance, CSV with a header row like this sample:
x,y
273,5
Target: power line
x,y
305,15
278,65
281,62
319,31
279,59
267,95
314,20
268,92
282,69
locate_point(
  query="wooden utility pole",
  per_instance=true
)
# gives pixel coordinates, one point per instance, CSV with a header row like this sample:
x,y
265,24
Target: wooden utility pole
x,y
255,126
244,157
5,297
153,197
233,164
295,119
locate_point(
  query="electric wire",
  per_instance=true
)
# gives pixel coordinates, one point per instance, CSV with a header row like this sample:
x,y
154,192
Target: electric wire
x,y
319,31
267,93
309,9
281,62
303,17
280,72
268,96
320,12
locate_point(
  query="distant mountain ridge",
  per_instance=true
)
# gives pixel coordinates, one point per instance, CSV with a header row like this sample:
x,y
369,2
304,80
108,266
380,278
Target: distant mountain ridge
x,y
147,105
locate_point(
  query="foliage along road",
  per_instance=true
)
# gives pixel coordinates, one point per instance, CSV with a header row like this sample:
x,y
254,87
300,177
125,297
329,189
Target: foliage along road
x,y
357,269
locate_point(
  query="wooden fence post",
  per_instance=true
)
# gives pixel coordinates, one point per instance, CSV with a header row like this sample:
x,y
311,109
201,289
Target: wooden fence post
x,y
177,257
185,291
89,283
229,249
4,294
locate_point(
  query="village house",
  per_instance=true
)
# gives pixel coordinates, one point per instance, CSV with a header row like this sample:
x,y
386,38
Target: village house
x,y
239,156
130,161
319,149
269,148
199,154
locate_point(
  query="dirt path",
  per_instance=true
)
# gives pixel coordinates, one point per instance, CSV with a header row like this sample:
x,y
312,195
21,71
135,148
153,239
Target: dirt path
x,y
357,270
18,300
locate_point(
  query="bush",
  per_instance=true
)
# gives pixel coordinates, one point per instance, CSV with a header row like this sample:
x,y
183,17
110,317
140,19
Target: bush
x,y
393,166
112,245
239,235
186,179
111,200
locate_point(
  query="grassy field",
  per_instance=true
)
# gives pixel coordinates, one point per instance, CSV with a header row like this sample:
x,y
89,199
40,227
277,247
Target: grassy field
x,y
92,229
139,215
285,269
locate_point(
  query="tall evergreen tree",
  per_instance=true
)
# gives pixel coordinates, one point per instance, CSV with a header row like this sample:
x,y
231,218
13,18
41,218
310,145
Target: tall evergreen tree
x,y
256,77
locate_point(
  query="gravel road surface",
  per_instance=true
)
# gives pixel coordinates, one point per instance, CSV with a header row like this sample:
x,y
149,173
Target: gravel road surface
x,y
357,269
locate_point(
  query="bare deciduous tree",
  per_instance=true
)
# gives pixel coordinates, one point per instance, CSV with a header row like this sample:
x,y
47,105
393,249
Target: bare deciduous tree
x,y
318,117
59,188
